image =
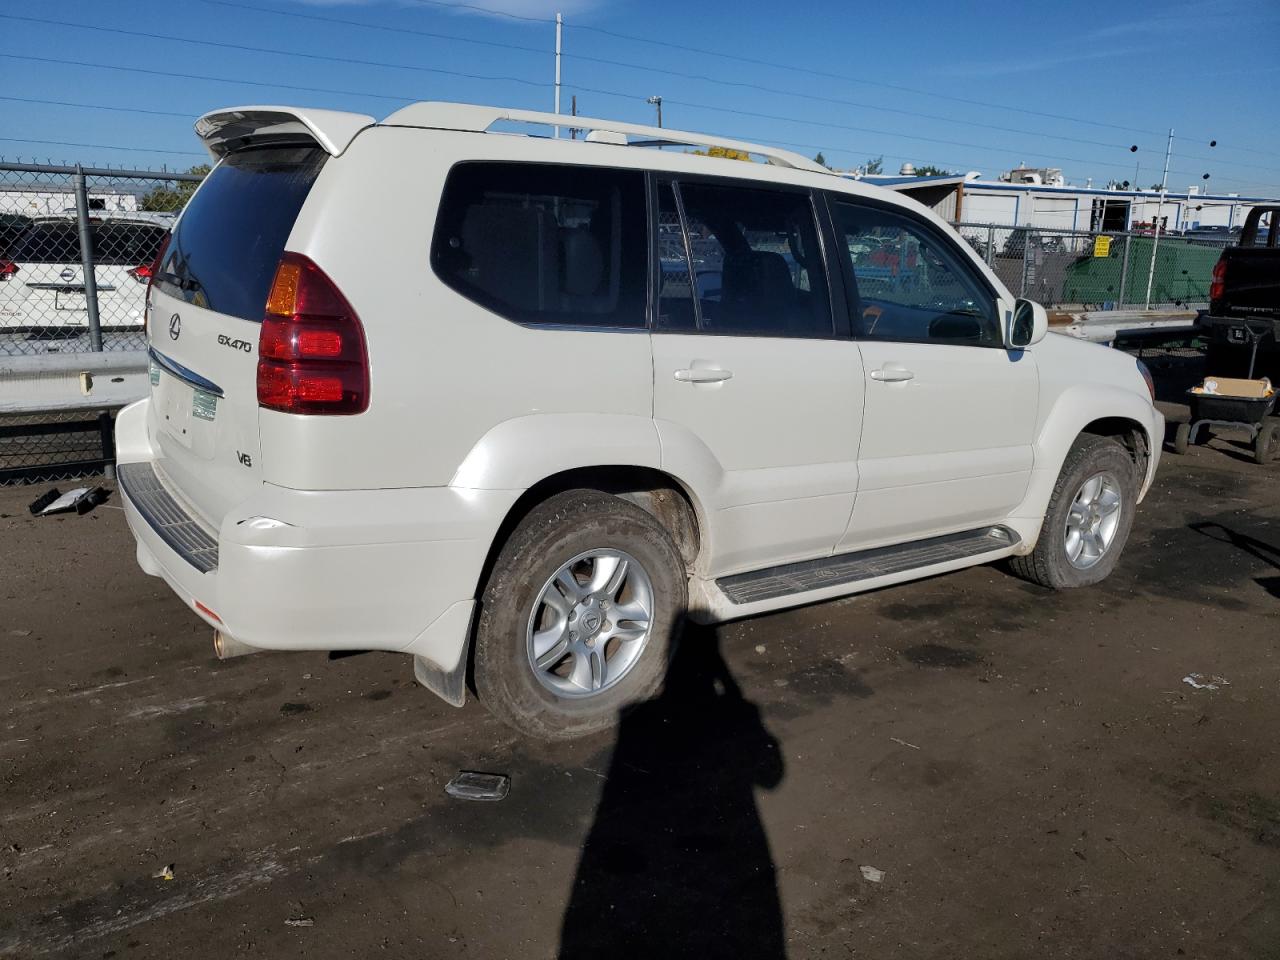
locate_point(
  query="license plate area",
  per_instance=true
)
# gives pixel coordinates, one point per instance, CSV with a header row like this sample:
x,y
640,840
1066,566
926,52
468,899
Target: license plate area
x,y
73,300
174,401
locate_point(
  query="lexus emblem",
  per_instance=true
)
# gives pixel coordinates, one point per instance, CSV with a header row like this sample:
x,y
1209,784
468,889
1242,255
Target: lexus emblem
x,y
175,327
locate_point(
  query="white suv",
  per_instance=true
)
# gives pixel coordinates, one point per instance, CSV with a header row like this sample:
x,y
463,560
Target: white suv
x,y
514,405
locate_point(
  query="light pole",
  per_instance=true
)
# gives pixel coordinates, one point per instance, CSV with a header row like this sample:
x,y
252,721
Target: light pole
x,y
657,102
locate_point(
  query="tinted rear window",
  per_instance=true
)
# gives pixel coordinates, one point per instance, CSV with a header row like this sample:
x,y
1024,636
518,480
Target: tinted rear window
x,y
115,244
225,250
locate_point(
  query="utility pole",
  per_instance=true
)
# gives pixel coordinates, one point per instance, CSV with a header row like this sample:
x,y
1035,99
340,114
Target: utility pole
x,y
573,110
559,44
1155,245
657,102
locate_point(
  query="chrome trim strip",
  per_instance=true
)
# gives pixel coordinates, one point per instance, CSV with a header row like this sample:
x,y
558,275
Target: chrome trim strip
x,y
185,374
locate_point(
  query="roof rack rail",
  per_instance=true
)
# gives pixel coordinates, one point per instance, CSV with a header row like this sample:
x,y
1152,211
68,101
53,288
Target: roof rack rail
x,y
478,119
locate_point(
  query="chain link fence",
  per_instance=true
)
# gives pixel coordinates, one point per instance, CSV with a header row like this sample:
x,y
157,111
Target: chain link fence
x,y
1090,270
76,251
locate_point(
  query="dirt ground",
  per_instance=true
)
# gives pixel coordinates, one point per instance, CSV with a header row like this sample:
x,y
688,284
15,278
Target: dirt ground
x,y
1029,770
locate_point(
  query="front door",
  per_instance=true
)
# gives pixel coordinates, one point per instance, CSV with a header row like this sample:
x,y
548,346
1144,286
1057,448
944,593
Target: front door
x,y
753,392
950,413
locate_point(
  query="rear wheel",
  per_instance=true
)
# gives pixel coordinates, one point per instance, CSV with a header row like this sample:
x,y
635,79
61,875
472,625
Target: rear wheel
x,y
1089,517
579,617
1265,443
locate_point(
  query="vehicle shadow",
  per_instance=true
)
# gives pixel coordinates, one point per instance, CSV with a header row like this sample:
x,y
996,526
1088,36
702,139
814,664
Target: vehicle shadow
x,y
1251,545
677,862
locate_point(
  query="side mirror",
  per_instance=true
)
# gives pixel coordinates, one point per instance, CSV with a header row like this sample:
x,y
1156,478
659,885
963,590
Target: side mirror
x,y
1029,325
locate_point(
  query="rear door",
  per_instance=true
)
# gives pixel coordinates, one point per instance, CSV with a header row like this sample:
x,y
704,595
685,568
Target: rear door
x,y
44,293
748,369
206,309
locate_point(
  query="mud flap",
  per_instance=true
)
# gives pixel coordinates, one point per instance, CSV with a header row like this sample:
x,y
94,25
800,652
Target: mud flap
x,y
449,685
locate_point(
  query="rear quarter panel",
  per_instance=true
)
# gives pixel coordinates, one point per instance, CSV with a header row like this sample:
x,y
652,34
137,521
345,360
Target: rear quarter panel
x,y
444,371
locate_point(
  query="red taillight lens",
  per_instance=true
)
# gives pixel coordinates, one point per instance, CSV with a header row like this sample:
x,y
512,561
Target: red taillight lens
x,y
147,274
311,350
7,269
1219,280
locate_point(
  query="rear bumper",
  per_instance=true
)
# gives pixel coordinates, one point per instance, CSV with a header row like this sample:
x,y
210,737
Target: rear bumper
x,y
317,570
1237,331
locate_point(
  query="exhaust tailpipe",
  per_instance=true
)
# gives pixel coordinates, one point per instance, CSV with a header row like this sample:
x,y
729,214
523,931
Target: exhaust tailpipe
x,y
224,647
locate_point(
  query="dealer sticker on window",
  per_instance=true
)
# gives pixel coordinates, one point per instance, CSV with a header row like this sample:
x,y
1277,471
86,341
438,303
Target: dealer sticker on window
x,y
204,406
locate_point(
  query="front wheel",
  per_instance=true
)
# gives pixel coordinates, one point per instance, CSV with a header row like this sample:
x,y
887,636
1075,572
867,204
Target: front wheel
x,y
1089,517
579,617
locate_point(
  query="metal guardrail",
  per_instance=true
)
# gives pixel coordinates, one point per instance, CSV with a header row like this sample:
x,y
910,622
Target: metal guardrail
x,y
76,244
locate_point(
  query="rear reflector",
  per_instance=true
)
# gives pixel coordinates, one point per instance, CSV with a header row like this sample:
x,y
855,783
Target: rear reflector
x,y
206,611
311,350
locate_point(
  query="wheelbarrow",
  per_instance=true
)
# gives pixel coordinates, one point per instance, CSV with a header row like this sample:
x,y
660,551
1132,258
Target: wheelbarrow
x,y
1237,412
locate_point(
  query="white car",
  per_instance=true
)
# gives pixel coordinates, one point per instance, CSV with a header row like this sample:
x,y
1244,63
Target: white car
x,y
42,284
514,405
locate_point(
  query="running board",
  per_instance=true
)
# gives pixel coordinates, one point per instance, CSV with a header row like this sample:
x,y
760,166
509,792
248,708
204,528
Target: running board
x,y
791,578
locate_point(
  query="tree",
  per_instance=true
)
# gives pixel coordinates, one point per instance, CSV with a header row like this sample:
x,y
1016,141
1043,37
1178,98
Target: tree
x,y
174,195
872,167
929,170
821,160
726,153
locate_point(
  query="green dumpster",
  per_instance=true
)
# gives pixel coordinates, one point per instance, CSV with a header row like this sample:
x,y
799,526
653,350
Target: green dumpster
x,y
1184,270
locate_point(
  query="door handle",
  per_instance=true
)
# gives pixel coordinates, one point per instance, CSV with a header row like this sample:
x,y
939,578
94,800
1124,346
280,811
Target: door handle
x,y
703,375
892,373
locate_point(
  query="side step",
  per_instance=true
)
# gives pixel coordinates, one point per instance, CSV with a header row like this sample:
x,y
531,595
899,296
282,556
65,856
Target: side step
x,y
807,575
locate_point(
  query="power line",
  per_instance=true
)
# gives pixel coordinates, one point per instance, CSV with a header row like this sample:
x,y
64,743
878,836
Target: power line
x,y
107,146
321,18
915,114
170,38
406,98
97,106
597,91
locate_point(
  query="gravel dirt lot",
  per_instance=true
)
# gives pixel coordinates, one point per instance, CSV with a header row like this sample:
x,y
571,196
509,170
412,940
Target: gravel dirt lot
x,y
1029,770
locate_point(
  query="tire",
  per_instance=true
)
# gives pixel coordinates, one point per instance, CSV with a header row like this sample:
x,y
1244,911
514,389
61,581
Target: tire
x,y
580,690
1264,444
1181,437
1050,564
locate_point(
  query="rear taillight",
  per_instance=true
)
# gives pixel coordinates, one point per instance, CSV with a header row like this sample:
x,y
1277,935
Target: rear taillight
x,y
8,269
147,274
1219,280
311,351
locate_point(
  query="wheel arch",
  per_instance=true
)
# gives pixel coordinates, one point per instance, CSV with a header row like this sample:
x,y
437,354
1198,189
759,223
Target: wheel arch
x,y
657,492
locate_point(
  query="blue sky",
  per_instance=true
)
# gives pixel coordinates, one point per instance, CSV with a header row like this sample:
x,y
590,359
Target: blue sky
x,y
965,87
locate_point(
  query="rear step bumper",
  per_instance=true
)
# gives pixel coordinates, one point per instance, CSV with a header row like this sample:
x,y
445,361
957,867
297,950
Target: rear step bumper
x,y
168,518
759,590
317,570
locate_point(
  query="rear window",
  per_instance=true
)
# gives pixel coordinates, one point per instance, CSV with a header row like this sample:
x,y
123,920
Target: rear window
x,y
544,244
115,244
224,252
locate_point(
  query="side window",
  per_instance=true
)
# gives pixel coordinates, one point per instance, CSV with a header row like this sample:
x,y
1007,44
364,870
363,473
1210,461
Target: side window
x,y
911,285
545,244
755,265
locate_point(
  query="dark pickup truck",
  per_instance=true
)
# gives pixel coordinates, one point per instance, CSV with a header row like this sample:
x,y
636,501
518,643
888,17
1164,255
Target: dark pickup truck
x,y
1242,324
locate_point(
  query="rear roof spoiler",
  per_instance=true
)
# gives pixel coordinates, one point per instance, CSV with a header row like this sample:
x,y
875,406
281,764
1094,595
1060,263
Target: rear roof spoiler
x,y
232,128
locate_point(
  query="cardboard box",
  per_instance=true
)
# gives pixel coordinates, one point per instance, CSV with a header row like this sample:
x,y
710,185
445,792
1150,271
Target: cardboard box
x,y
1232,387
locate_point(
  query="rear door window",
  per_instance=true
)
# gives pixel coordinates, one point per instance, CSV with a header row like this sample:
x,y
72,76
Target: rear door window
x,y
751,262
545,244
228,242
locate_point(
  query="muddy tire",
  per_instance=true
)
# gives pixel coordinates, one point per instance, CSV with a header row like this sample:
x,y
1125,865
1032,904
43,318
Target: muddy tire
x,y
579,617
1088,520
